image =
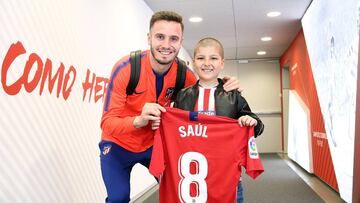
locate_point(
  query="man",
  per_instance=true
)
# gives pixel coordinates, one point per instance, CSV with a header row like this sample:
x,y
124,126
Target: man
x,y
127,137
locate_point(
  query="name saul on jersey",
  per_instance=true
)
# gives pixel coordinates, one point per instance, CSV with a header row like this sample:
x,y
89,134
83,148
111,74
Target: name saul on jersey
x,y
197,130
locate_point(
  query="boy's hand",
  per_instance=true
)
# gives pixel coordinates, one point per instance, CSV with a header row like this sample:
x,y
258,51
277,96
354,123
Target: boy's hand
x,y
149,112
247,121
231,83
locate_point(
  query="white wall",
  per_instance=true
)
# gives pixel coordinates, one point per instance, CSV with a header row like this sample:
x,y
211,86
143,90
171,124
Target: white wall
x,y
299,132
48,142
261,83
285,93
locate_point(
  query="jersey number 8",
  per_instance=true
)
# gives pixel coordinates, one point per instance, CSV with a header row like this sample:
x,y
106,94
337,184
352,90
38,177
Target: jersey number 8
x,y
197,178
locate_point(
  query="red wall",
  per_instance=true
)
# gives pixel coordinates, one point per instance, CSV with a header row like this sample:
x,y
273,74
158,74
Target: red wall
x,y
302,81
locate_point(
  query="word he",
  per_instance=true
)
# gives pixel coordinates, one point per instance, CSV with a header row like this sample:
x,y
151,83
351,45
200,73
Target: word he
x,y
197,130
98,85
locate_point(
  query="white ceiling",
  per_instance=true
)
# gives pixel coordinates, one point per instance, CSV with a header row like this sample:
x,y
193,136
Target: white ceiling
x,y
239,24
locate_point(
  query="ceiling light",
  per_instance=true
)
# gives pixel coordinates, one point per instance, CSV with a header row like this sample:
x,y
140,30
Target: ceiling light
x,y
273,14
265,39
195,19
261,52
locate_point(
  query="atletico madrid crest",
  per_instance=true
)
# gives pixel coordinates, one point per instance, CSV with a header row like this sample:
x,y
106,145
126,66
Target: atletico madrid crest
x,y
169,92
106,150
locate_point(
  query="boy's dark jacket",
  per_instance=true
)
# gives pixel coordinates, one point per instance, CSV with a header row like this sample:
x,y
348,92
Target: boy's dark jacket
x,y
230,104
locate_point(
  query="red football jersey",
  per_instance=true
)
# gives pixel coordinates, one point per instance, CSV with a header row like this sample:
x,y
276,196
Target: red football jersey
x,y
199,157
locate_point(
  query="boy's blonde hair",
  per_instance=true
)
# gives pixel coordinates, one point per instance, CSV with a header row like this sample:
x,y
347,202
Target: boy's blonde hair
x,y
209,41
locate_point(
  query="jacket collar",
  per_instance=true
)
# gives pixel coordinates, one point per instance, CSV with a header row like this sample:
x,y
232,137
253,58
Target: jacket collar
x,y
220,85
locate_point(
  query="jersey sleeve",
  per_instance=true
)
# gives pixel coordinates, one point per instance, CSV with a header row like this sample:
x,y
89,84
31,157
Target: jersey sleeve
x,y
111,122
251,159
157,164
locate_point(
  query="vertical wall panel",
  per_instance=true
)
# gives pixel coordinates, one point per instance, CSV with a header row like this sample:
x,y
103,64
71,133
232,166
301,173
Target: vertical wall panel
x,y
331,29
302,81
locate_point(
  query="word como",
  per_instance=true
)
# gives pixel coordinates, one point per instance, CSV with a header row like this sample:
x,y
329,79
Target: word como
x,y
43,73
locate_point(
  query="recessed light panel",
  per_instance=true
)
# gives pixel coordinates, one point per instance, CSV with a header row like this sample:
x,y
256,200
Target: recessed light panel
x,y
265,39
195,19
273,14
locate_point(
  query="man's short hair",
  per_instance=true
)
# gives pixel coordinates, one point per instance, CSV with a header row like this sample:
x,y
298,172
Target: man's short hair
x,y
168,16
209,41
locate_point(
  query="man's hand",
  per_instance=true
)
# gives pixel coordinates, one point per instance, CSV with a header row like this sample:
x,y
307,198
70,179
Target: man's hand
x,y
247,121
149,112
231,83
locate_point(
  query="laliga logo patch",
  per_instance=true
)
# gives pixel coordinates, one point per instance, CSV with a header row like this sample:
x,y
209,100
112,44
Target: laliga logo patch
x,y
253,153
106,150
169,92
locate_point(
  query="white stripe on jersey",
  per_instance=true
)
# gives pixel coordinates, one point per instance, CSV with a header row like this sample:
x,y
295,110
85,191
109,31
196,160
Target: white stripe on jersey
x,y
212,100
200,101
206,102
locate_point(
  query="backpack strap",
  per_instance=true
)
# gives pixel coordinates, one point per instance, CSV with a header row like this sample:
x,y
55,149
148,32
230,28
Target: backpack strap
x,y
135,63
180,78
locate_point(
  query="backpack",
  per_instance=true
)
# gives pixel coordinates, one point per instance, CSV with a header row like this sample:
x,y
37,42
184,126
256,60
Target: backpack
x,y
135,62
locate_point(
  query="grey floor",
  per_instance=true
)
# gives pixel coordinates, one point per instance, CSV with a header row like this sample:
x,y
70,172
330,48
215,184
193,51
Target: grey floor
x,y
282,181
277,184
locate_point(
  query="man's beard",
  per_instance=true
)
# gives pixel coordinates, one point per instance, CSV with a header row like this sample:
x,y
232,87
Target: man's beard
x,y
162,62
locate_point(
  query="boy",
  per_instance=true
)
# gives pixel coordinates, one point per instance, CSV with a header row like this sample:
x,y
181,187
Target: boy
x,y
207,96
